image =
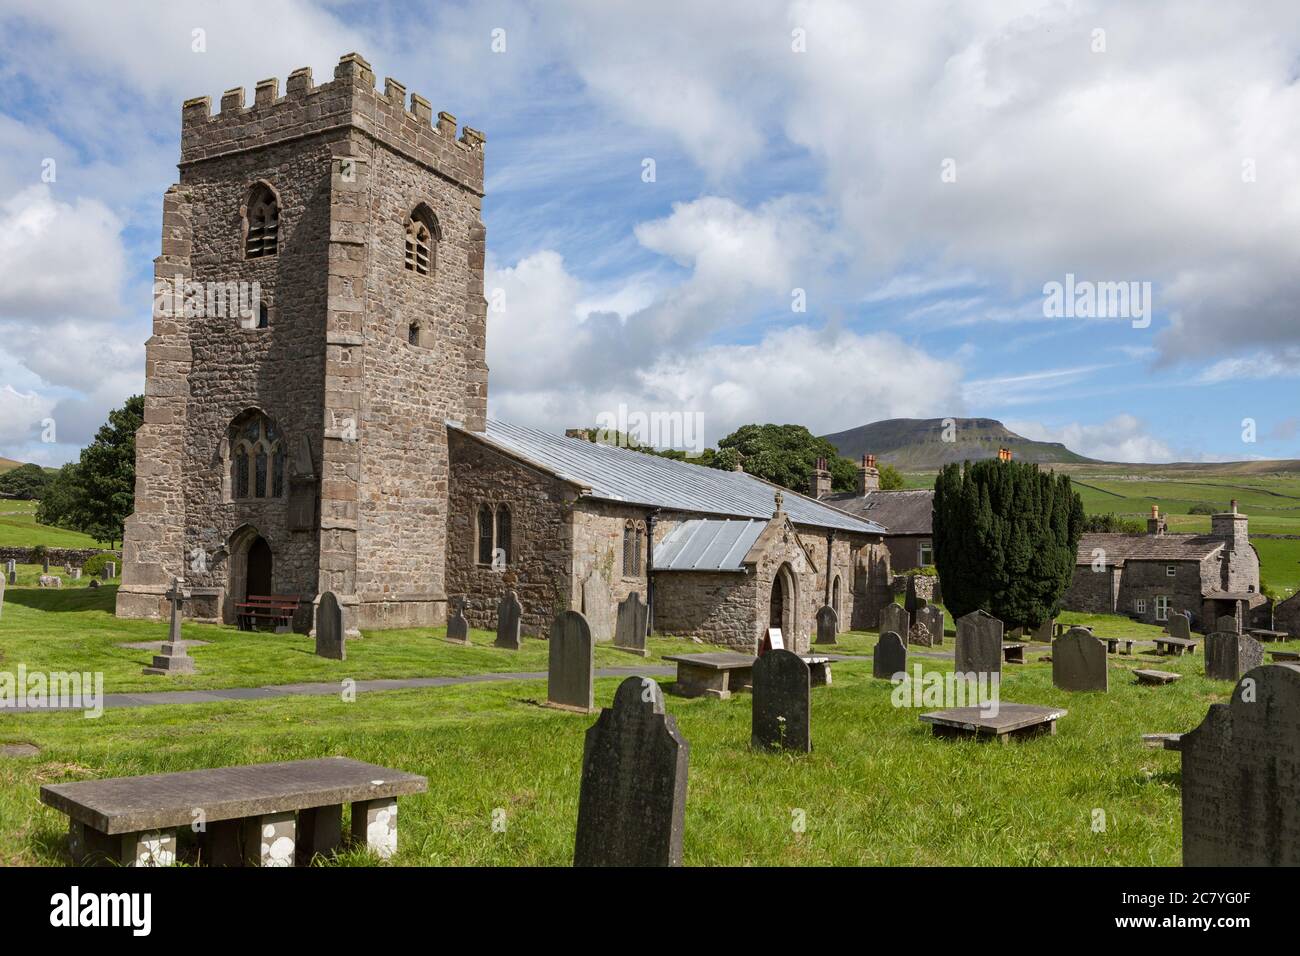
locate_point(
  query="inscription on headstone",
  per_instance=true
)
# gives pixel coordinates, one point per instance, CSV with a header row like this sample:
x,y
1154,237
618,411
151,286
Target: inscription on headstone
x,y
828,624
782,706
894,618
1240,785
457,625
509,620
1228,656
1079,661
330,642
572,670
931,618
979,644
630,628
632,799
889,657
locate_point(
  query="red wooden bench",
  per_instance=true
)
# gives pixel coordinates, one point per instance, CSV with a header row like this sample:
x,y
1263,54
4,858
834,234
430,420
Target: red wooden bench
x,y
275,609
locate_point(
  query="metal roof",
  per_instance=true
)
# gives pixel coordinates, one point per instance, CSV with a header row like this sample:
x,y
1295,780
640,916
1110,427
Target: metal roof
x,y
708,544
621,474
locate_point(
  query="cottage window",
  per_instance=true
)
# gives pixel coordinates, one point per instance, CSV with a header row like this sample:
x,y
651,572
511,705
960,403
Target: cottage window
x,y
262,237
925,554
1140,605
1162,608
1170,570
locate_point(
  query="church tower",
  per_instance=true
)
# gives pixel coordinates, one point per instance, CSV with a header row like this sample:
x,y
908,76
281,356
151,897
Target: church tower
x,y
318,319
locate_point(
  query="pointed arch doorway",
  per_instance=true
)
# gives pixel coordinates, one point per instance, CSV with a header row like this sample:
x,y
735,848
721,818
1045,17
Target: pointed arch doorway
x,y
781,606
259,566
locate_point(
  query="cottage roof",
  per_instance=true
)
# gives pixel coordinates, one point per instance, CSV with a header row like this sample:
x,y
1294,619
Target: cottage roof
x,y
622,474
1120,548
901,512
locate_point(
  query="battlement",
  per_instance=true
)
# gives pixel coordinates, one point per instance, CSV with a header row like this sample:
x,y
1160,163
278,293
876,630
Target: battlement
x,y
349,100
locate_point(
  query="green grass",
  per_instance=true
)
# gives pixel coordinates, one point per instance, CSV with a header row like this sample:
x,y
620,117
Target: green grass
x,y
18,529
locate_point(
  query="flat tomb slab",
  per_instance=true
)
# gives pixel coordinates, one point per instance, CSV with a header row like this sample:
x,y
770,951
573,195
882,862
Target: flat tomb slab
x,y
719,660
1011,720
1175,645
712,675
1162,741
1013,652
1261,634
1284,655
165,800
1150,676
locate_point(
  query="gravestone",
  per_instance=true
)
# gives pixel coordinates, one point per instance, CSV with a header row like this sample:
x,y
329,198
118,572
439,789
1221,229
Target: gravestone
x,y
174,659
2,597
1241,792
889,657
828,624
571,672
932,617
912,603
632,799
76,574
330,642
894,618
1228,656
1180,626
782,709
457,625
1227,624
979,644
1079,661
1045,631
12,571
94,582
45,565
598,607
509,619
630,628
11,566
112,569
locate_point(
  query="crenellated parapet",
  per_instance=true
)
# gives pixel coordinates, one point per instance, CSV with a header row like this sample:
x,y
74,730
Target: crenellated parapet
x,y
350,100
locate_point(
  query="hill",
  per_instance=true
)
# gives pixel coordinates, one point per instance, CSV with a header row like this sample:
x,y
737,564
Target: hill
x,y
916,444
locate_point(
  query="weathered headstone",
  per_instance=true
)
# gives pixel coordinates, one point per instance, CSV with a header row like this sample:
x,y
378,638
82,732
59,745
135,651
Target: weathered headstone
x,y
911,602
598,606
1227,624
894,618
2,597
632,799
782,708
931,617
76,574
630,628
457,625
571,673
330,641
1240,788
45,565
111,566
828,623
1180,626
11,571
979,644
1045,631
174,659
509,620
49,581
889,657
1228,656
1079,661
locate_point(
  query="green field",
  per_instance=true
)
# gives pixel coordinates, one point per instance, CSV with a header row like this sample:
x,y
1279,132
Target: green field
x,y
18,529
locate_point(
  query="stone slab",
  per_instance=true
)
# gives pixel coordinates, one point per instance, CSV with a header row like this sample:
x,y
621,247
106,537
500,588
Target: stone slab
x,y
889,657
571,672
1079,662
1020,720
1176,646
894,617
631,624
509,622
782,711
979,644
1146,675
1228,656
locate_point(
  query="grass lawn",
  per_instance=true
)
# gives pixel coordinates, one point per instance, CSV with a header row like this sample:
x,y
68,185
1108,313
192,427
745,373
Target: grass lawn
x,y
877,790
18,529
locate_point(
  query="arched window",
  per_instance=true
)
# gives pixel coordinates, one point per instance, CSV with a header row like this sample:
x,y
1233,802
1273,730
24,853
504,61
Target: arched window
x,y
257,456
422,235
485,532
639,540
633,536
413,333
503,533
263,217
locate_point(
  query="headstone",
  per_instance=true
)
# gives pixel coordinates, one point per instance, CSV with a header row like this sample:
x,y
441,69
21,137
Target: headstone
x,y
509,619
630,628
1241,792
889,657
912,603
94,583
330,641
174,659
782,709
457,625
632,799
1228,656
112,569
1179,625
1227,624
828,623
76,574
11,566
2,597
979,644
894,618
1045,631
45,565
931,617
598,606
571,672
49,581
1079,661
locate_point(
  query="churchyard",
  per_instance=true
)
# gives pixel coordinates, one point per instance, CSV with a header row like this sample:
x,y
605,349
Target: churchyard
x,y
504,770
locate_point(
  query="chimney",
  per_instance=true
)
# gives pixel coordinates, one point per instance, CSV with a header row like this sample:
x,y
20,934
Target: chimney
x,y
1004,454
580,433
820,484
1232,526
868,476
1155,524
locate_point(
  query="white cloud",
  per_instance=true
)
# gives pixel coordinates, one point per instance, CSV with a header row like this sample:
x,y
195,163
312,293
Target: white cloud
x,y
1284,363
1122,438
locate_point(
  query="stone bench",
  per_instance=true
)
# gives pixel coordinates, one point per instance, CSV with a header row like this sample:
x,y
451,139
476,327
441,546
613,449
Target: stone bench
x,y
1012,721
1265,636
1114,643
270,814
1175,645
1282,656
1013,652
721,673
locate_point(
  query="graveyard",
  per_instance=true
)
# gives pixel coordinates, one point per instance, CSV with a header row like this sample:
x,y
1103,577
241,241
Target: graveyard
x,y
503,770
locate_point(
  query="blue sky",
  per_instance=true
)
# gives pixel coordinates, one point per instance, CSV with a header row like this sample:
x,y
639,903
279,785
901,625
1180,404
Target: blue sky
x,y
919,170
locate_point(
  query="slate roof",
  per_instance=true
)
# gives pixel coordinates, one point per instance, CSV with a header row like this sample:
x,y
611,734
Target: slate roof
x,y
1120,548
901,512
708,544
621,474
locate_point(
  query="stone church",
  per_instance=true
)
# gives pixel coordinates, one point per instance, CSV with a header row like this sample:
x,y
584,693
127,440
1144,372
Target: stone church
x,y
337,438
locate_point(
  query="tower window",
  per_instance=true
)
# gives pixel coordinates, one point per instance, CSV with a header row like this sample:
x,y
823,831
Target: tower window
x,y
263,217
422,232
413,333
257,457
263,316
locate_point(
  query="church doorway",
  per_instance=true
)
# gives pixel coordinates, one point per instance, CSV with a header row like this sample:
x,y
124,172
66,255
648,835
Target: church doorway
x,y
257,578
781,606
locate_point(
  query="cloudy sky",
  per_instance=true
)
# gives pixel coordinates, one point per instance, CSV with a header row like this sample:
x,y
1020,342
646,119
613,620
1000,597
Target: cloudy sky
x,y
854,210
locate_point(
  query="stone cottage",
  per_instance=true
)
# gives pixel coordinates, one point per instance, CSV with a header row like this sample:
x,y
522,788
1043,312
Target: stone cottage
x,y
1150,576
331,434
905,514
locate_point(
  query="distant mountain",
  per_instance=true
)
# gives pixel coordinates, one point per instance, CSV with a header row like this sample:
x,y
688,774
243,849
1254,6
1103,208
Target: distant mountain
x,y
917,444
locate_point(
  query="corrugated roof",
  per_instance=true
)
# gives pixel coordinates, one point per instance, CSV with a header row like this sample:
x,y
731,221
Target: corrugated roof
x,y
1147,547
621,474
902,512
708,544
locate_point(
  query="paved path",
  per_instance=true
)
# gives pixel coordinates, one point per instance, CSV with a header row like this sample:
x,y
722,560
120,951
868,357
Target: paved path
x,y
329,688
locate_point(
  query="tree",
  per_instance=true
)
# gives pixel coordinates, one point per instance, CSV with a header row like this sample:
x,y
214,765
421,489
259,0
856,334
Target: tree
x,y
786,455
60,498
1005,539
891,479
27,482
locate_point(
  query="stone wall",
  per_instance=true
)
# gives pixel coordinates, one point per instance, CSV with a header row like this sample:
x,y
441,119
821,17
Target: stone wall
x,y
904,550
718,607
1092,592
58,556
1147,580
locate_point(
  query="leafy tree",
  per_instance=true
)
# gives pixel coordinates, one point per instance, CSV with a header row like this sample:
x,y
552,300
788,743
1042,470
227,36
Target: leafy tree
x,y
891,479
787,455
27,482
1005,539
1111,523
60,498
